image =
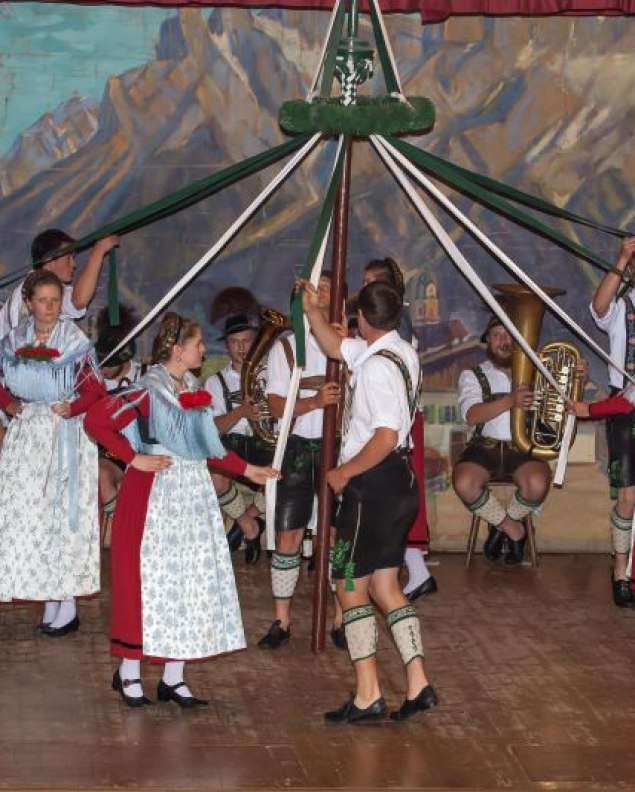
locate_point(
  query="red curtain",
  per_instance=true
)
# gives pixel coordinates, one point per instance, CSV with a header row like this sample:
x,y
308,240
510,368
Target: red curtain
x,y
430,10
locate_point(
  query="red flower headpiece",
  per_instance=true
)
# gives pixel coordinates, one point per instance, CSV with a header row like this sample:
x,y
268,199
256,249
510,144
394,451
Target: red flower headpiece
x,y
195,400
37,352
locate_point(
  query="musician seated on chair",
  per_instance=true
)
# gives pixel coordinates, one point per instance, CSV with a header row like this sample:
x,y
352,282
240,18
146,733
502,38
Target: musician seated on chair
x,y
232,414
486,397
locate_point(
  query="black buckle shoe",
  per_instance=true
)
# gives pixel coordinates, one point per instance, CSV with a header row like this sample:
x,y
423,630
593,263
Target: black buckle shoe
x,y
234,537
349,713
130,701
253,547
276,637
429,586
426,700
65,629
168,693
338,636
515,551
622,594
493,545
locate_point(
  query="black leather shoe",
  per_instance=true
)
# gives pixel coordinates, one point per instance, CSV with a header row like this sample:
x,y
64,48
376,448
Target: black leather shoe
x,y
338,636
276,637
60,632
429,586
493,546
349,713
426,700
168,693
130,701
253,547
622,594
515,551
234,537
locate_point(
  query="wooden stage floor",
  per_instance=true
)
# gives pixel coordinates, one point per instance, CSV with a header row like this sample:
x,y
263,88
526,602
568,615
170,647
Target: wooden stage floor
x,y
534,671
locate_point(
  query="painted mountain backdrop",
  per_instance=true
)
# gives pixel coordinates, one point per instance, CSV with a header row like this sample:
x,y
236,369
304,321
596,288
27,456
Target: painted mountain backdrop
x,y
544,104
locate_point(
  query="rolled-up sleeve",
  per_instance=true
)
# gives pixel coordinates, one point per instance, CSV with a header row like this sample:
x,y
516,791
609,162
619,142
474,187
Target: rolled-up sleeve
x,y
278,374
470,392
614,314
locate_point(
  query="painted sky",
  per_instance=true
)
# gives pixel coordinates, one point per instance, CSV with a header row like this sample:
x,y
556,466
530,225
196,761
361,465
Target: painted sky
x,y
50,53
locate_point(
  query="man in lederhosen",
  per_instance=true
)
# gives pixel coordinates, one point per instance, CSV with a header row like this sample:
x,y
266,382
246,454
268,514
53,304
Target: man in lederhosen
x,y
617,318
300,466
379,498
232,414
486,397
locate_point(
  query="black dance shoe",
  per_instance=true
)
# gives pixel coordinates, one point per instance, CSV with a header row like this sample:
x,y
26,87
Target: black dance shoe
x,y
234,537
426,700
253,547
276,637
168,693
493,546
338,636
515,551
130,701
429,586
349,713
622,594
60,632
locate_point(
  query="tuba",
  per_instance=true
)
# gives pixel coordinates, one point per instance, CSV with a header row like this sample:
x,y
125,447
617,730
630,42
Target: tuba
x,y
539,431
252,382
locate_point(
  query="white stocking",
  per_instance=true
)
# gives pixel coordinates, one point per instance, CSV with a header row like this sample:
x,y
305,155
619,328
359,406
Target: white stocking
x,y
131,669
418,572
173,674
66,614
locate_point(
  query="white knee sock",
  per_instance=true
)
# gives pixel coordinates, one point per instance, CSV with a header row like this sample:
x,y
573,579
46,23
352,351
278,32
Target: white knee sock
x,y
51,609
131,669
418,572
65,614
173,674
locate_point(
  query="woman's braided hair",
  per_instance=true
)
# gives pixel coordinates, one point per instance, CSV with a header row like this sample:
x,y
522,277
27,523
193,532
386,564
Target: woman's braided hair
x,y
174,329
387,270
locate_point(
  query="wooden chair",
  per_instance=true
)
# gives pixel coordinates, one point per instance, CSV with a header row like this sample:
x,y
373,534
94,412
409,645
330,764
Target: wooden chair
x,y
476,524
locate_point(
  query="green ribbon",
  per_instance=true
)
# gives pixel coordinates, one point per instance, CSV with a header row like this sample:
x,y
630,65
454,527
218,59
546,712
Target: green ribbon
x,y
390,78
328,206
452,175
113,292
328,75
177,201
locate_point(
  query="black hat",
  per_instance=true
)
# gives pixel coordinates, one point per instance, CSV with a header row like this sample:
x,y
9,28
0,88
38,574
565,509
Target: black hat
x,y
493,322
48,244
107,342
237,324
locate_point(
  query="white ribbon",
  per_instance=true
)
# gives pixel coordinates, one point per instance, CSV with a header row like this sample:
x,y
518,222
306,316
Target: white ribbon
x,y
206,258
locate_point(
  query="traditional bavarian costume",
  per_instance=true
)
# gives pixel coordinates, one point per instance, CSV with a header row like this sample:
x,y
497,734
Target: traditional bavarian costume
x,y
49,526
173,588
378,506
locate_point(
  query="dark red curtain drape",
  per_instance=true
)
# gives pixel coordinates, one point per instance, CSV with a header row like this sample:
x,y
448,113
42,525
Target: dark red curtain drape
x,y
430,10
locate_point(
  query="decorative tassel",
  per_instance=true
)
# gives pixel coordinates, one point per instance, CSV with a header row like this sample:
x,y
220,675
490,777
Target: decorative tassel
x,y
349,575
339,553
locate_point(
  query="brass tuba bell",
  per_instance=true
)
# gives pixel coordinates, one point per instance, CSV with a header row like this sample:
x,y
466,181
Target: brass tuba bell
x,y
539,431
252,382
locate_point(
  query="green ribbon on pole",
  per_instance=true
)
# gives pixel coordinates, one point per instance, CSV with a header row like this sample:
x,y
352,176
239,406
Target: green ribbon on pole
x,y
328,206
328,74
450,174
177,201
390,78
113,292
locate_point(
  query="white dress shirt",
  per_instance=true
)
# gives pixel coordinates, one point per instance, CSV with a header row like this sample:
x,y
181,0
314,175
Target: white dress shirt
x,y
614,323
308,425
470,393
213,386
380,399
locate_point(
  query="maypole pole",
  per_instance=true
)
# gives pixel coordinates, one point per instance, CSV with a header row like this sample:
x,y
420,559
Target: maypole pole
x,y
353,65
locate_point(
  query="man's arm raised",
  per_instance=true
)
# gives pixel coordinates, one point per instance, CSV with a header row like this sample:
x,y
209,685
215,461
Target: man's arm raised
x,y
327,336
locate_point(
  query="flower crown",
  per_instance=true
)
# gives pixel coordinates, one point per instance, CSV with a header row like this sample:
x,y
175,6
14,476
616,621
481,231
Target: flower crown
x,y
38,352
